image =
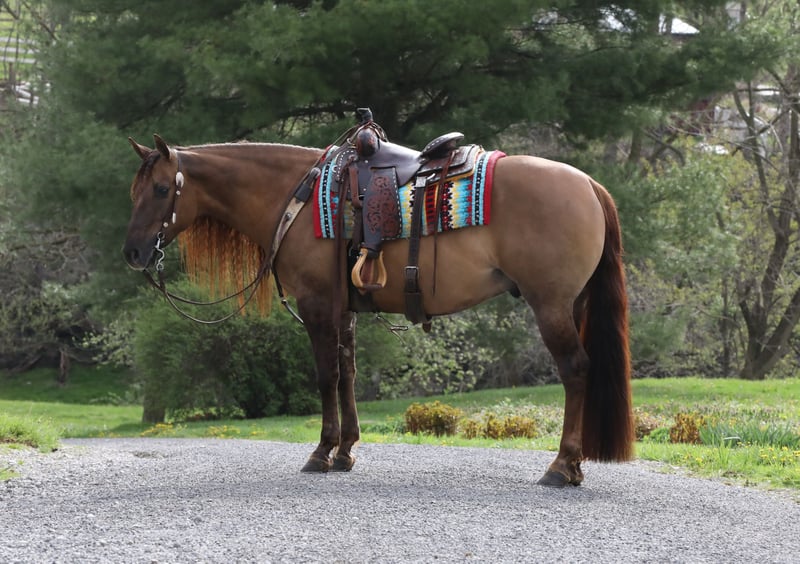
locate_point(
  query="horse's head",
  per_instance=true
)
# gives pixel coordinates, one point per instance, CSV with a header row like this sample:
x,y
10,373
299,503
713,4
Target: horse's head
x,y
161,209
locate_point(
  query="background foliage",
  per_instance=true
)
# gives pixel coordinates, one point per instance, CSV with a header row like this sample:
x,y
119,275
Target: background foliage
x,y
695,133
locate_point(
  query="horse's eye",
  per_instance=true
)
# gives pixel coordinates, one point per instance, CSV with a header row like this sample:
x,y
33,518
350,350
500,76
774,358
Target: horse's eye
x,y
161,191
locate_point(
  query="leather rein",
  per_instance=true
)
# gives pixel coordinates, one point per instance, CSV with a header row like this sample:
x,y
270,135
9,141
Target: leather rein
x,y
292,208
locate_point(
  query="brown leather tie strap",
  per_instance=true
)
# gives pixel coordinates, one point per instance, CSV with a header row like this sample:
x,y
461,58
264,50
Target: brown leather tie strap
x,y
351,185
438,211
415,310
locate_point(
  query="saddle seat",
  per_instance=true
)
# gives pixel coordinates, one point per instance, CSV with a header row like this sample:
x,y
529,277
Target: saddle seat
x,y
407,162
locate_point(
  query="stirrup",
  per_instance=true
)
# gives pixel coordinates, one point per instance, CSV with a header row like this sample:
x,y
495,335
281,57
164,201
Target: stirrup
x,y
375,272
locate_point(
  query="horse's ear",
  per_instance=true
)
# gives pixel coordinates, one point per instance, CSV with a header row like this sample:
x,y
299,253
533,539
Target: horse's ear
x,y
141,150
161,146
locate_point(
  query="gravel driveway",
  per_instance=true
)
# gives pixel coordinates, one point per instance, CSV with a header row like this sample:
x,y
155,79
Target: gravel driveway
x,y
186,500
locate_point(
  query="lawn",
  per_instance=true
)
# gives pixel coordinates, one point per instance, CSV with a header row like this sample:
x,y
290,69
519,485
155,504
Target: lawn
x,y
757,423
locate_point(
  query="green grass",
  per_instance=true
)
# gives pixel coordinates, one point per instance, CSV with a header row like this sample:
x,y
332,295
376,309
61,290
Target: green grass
x,y
86,385
92,403
96,403
751,465
17,432
36,433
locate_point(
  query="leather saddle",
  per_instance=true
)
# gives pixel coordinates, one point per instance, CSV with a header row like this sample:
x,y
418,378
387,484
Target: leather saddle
x,y
370,171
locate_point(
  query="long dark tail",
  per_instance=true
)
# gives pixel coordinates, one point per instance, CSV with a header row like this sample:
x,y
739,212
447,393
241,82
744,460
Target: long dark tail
x,y
608,432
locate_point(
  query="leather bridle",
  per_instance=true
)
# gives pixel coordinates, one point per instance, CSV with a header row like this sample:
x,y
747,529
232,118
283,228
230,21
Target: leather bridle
x,y
291,210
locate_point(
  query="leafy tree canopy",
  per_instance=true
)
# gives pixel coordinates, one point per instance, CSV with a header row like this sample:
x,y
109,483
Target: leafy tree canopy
x,y
296,70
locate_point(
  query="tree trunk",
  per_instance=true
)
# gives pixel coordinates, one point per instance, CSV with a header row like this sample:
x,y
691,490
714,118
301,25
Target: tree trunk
x,y
63,366
155,410
767,345
153,414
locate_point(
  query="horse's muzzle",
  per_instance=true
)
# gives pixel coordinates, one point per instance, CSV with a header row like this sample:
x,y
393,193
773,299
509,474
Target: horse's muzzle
x,y
137,258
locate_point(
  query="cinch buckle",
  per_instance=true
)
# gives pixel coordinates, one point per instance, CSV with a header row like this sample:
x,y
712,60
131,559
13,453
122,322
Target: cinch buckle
x,y
412,278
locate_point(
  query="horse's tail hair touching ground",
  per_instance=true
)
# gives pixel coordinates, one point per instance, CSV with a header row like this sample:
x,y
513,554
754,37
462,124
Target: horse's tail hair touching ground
x,y
608,430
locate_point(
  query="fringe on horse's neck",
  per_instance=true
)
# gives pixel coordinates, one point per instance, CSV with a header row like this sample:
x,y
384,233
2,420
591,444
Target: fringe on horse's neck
x,y
223,261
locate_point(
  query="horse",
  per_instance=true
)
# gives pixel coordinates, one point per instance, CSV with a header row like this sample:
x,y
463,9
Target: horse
x,y
554,239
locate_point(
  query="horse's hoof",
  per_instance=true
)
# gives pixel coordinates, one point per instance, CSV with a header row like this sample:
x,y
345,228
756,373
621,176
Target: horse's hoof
x,y
317,465
343,462
552,479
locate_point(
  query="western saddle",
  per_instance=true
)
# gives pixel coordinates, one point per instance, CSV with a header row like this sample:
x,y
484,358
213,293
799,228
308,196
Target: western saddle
x,y
369,171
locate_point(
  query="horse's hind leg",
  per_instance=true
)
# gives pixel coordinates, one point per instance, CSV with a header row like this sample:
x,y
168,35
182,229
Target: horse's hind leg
x,y
560,335
344,460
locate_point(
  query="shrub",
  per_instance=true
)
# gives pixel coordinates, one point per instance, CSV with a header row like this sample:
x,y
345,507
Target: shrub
x,y
660,435
436,418
259,367
686,428
487,346
644,423
491,426
517,426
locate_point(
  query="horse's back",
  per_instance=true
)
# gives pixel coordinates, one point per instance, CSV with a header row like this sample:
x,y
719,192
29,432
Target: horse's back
x,y
545,237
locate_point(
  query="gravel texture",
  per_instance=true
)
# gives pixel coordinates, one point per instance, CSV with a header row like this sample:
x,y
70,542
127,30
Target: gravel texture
x,y
187,500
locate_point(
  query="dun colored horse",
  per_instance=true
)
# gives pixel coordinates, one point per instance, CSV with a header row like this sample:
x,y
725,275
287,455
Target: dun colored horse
x,y
554,239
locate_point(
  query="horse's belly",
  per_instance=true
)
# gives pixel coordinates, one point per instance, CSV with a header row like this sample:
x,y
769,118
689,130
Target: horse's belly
x,y
457,270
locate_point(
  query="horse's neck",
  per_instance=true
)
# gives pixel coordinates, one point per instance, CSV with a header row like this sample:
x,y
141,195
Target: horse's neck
x,y
246,185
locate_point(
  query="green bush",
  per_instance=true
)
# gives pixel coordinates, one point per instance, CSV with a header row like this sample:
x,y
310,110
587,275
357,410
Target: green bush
x,y
644,423
660,435
687,428
436,418
246,365
439,419
491,426
495,344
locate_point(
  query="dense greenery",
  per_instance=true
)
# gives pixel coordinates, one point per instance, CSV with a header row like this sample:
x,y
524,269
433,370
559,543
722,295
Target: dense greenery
x,y
702,162
255,367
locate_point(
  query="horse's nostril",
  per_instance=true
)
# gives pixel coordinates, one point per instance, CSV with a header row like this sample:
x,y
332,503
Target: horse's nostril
x,y
131,255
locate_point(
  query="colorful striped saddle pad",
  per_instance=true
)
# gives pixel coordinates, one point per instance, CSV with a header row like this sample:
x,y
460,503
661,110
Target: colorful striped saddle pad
x,y
465,199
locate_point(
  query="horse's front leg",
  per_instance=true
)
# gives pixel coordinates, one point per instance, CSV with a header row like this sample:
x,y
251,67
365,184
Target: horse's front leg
x,y
324,335
350,433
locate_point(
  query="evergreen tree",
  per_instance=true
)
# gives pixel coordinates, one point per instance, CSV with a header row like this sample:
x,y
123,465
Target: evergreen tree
x,y
294,71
